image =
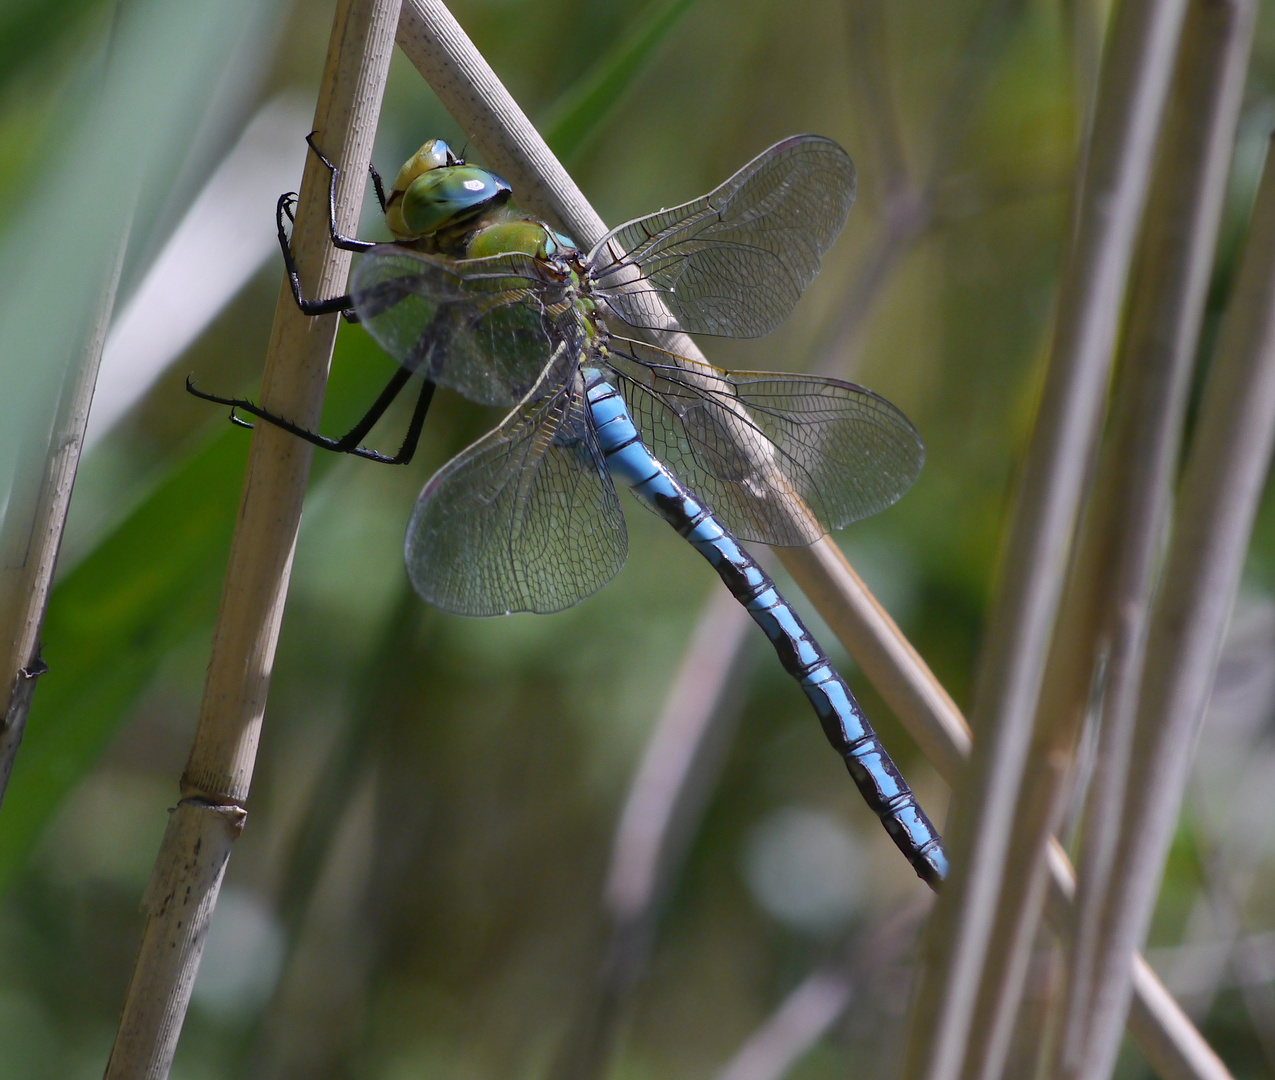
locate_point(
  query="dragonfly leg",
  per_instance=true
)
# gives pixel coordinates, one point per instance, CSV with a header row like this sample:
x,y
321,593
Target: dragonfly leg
x,y
349,442
340,304
346,243
377,185
343,304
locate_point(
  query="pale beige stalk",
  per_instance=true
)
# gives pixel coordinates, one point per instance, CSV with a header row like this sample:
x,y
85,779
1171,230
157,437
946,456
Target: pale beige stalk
x,y
1172,1045
1223,481
33,524
1109,583
1164,323
1133,90
468,88
209,817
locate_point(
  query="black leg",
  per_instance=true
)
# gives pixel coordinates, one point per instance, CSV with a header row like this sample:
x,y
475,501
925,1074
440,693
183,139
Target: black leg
x,y
413,435
393,388
348,443
343,304
345,243
340,304
377,185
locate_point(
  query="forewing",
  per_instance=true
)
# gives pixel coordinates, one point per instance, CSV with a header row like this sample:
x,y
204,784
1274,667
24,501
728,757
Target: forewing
x,y
734,262
526,519
757,445
482,327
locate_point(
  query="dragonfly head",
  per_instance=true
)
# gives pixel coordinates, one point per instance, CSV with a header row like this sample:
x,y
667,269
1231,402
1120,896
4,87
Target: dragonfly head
x,y
436,190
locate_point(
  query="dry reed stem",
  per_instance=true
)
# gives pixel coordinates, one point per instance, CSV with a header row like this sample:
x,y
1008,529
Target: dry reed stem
x,y
471,92
801,1020
819,1000
1109,584
1134,504
32,531
671,765
1226,467
1171,1043
1165,1034
1134,88
192,857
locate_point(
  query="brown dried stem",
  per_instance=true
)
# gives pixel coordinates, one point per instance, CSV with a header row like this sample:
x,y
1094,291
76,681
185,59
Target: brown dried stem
x,y
1109,584
196,846
30,539
1222,483
1134,88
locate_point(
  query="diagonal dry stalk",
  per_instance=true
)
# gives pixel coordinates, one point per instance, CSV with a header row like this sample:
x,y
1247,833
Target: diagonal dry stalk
x,y
657,826
1164,1033
1132,93
815,1004
1221,486
1109,582
29,541
196,846
683,754
472,93
469,89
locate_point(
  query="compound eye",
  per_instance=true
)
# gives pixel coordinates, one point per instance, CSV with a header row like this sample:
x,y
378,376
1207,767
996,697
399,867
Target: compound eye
x,y
448,196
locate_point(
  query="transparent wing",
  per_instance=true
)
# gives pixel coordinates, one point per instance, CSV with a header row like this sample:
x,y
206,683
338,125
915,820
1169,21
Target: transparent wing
x,y
482,327
526,519
734,262
756,445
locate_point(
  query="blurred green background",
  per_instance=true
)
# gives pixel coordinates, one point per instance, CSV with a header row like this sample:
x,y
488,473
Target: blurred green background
x,y
418,889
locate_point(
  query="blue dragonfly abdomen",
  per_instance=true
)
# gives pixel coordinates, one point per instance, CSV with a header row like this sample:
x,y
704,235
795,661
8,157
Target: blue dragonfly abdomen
x,y
844,723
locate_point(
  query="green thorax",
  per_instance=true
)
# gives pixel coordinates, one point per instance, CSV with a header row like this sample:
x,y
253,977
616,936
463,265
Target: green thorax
x,y
558,259
521,236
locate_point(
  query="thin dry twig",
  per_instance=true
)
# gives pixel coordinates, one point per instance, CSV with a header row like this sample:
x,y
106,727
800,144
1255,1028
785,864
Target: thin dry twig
x,y
816,1003
30,539
469,89
1226,905
1109,583
1136,76
809,1010
196,846
658,823
1222,483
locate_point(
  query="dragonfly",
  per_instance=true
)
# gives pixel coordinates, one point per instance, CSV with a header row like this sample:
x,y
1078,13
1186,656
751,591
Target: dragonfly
x,y
508,312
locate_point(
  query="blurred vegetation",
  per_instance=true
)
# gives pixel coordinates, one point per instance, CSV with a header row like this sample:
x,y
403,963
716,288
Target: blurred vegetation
x,y
417,891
